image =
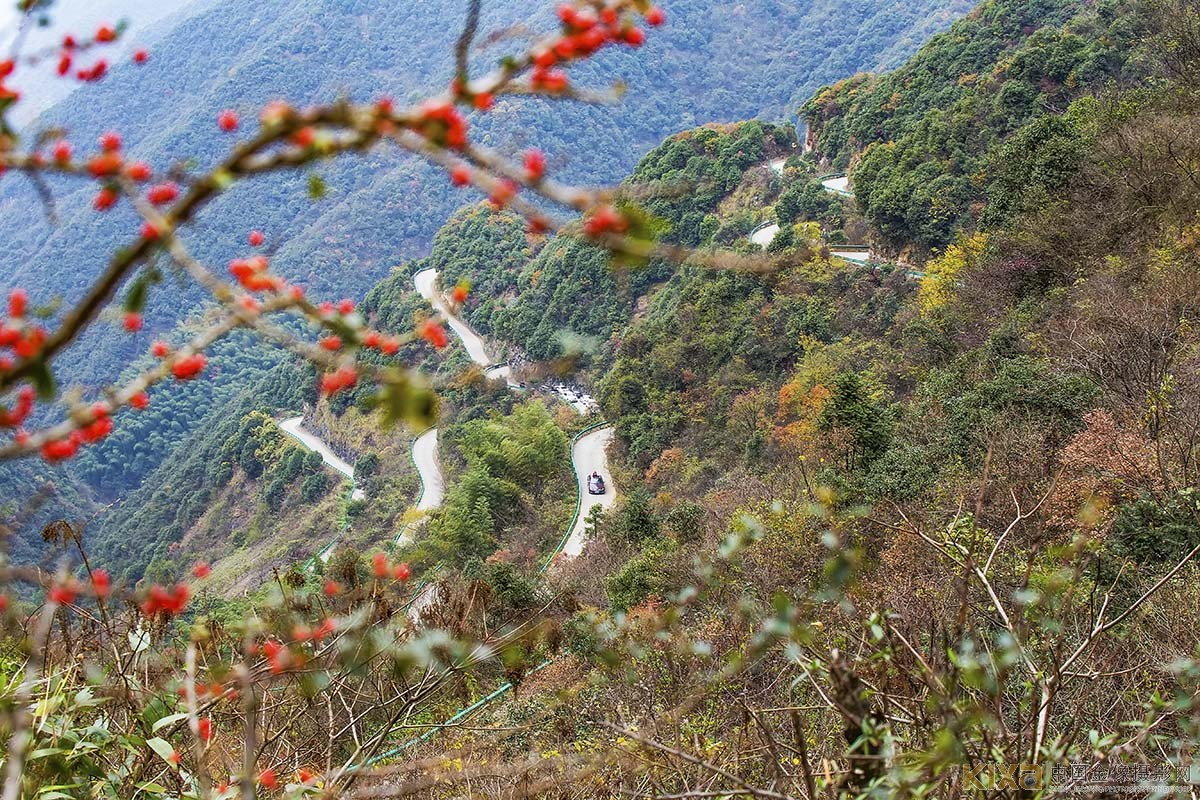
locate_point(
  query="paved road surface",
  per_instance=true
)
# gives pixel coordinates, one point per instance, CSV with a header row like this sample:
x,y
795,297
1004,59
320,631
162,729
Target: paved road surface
x,y
764,236
426,281
840,185
294,428
589,456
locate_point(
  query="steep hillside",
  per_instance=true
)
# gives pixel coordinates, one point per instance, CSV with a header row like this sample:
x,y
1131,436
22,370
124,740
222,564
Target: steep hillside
x,y
382,209
961,134
976,475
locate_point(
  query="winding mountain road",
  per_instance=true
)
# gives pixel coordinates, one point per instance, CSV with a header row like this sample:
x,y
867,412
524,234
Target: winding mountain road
x,y
588,456
764,234
838,184
294,427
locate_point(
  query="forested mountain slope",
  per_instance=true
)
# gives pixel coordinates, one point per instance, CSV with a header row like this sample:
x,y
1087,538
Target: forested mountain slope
x,y
965,131
382,209
878,526
999,456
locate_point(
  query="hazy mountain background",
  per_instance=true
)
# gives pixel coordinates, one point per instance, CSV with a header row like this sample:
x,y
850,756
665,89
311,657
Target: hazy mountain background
x,y
711,62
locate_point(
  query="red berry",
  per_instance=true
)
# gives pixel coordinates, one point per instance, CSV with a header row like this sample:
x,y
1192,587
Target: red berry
x,y
380,565
138,171
64,64
256,238
101,582
189,367
201,570
655,16
461,175
61,449
633,36
6,67
133,322
535,165
484,101
551,80
402,572
345,307
68,42
110,141
603,220
460,293
140,401
105,199
162,193
18,301
160,349
204,729
267,778
305,137
106,33
63,594
504,191
104,165
150,231
331,343
435,334
227,120
140,57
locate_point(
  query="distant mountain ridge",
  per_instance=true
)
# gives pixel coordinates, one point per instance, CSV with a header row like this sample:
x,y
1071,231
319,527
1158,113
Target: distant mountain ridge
x,y
709,63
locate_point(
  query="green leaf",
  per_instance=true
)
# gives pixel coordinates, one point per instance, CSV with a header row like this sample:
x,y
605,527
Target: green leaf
x,y
135,298
169,720
150,786
163,748
42,379
403,400
46,752
316,186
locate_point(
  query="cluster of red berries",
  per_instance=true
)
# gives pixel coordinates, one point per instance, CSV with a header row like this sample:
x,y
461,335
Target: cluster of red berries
x,y
605,219
339,380
99,426
18,334
25,340
384,569
434,333
253,275
66,591
109,163
441,123
168,602
105,34
584,32
185,367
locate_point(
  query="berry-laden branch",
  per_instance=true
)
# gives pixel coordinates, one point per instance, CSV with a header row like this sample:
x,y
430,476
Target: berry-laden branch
x,y
287,138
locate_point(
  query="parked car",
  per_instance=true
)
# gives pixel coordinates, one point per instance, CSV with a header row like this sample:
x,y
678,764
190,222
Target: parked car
x,y
595,484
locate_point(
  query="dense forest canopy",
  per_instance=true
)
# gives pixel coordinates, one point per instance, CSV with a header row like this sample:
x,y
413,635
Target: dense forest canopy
x,y
900,497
